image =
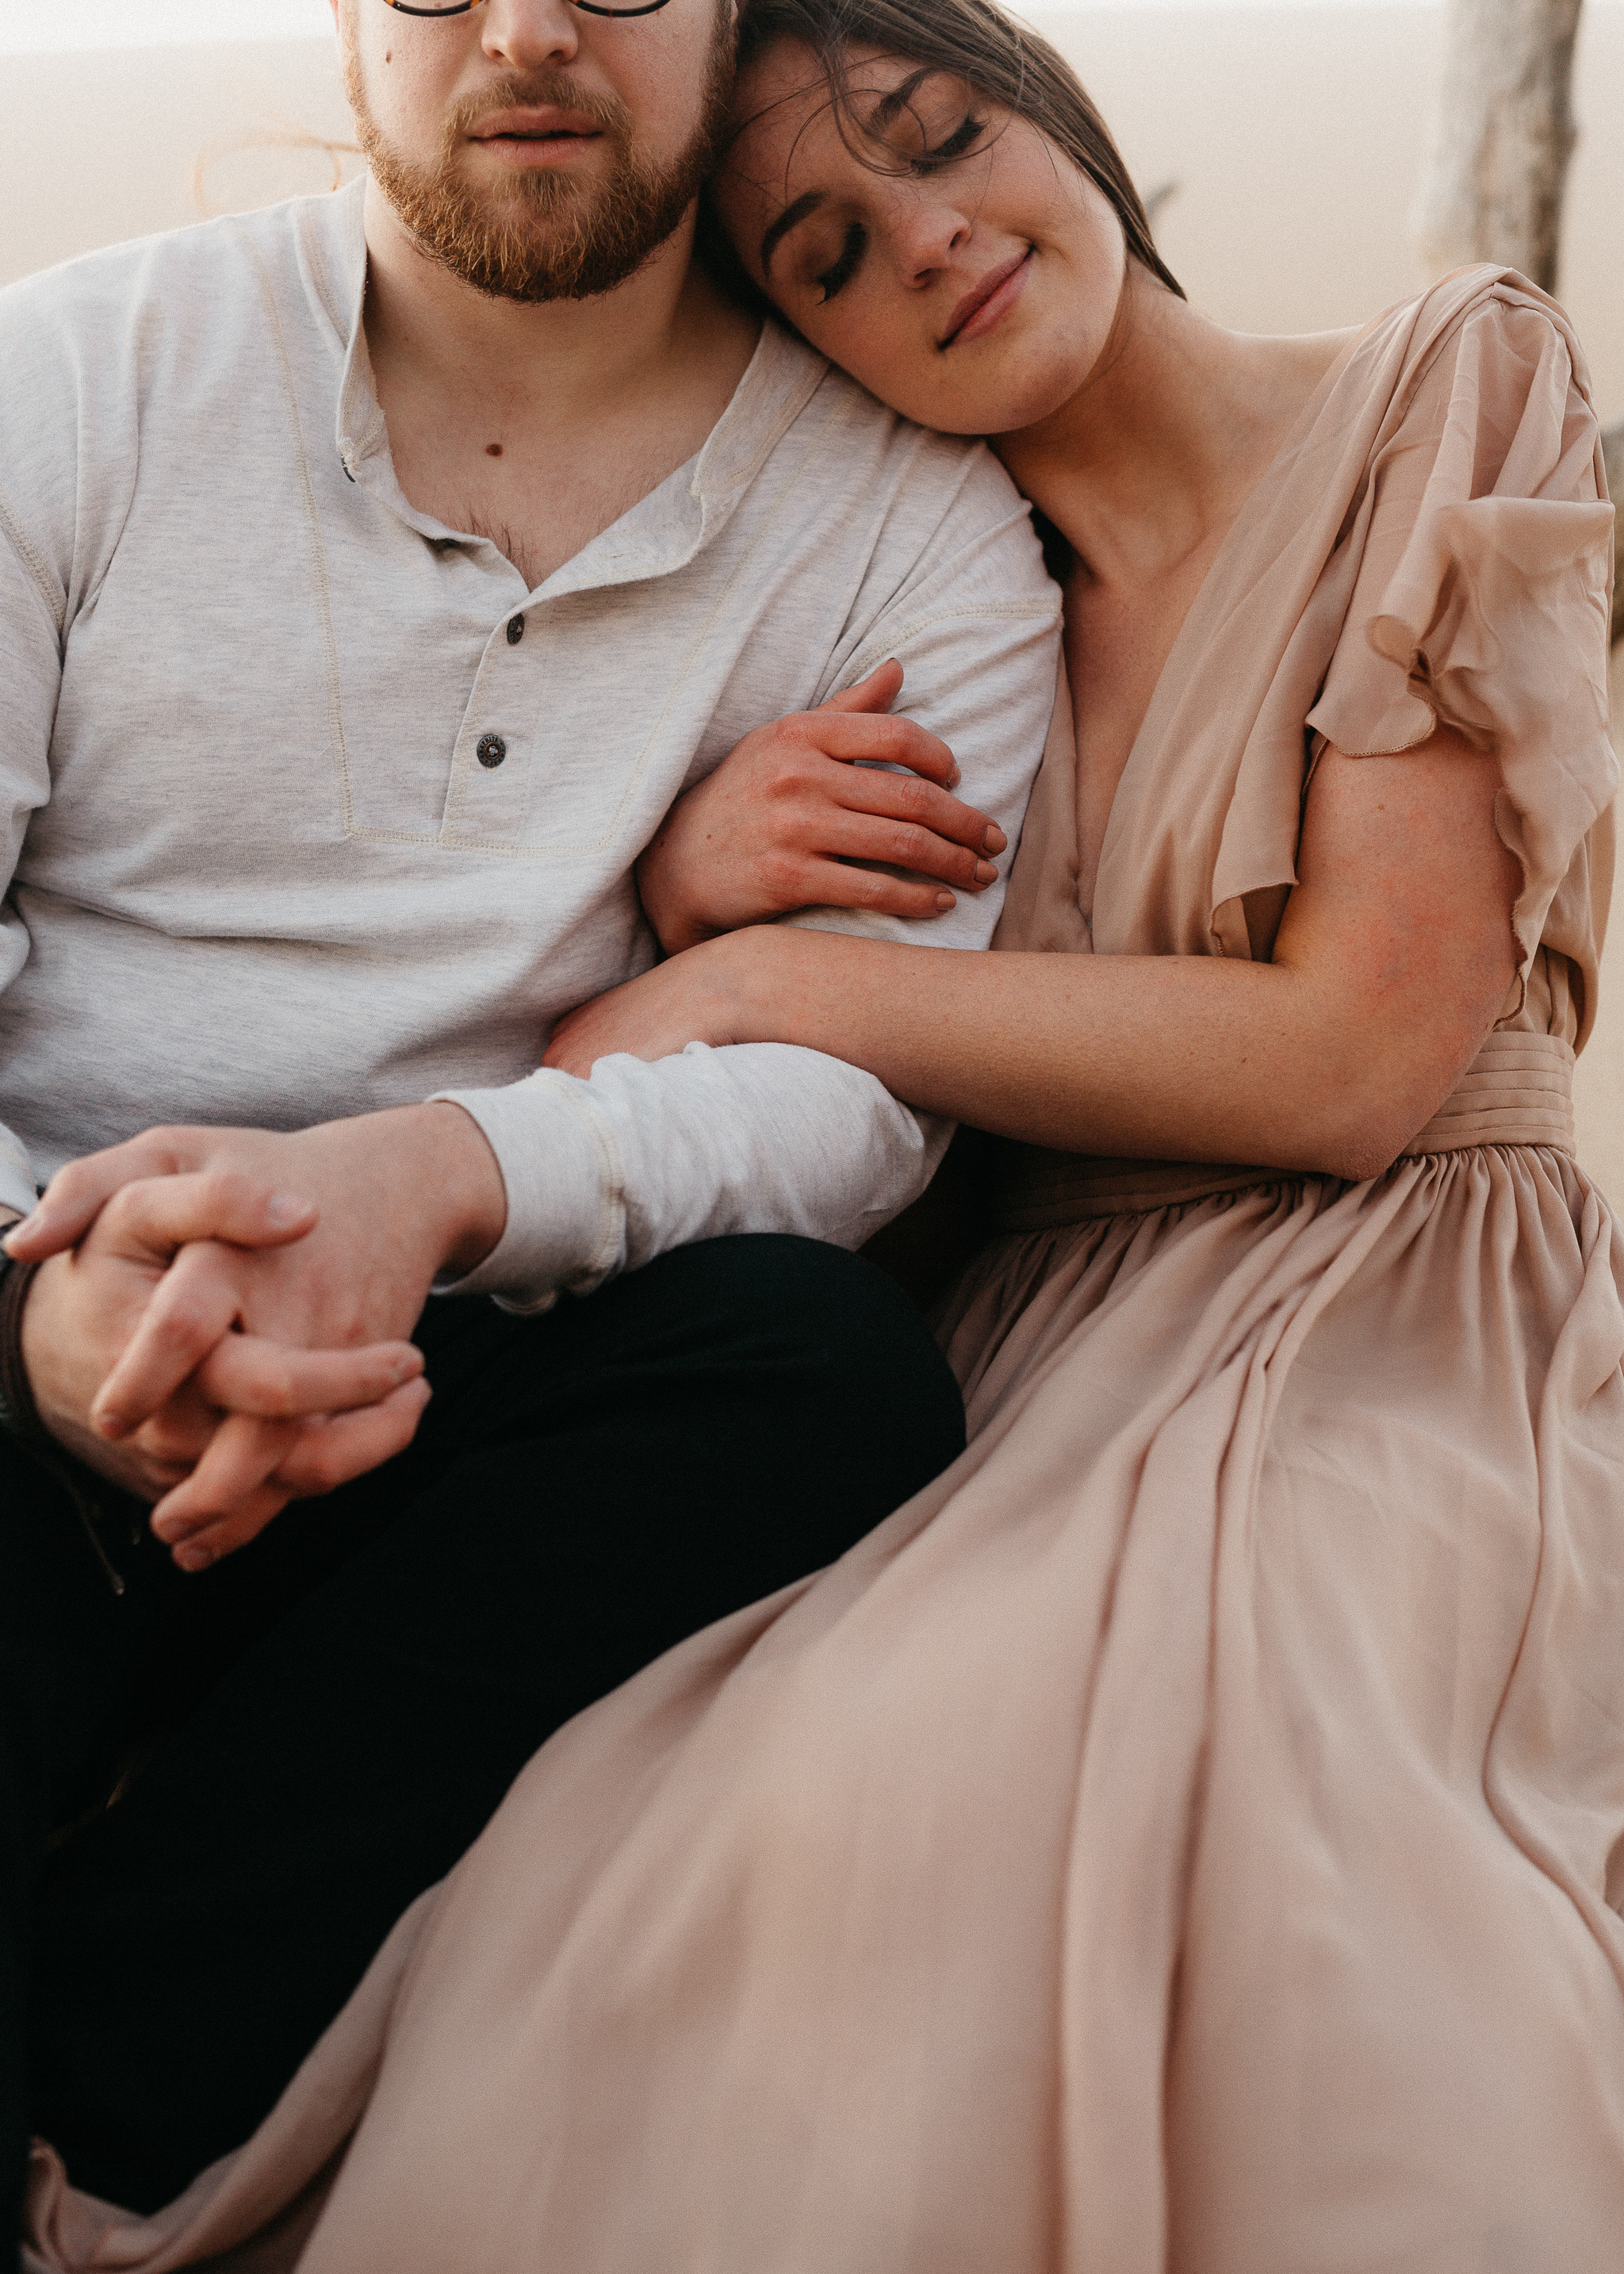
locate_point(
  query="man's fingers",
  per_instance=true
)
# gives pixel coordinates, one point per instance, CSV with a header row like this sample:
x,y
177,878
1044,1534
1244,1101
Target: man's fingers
x,y
254,1468
77,1194
247,1373
192,1305
327,1453
157,1214
229,1485
877,692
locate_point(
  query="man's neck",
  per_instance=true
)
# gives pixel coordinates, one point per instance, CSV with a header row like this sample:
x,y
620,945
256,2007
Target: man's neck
x,y
538,425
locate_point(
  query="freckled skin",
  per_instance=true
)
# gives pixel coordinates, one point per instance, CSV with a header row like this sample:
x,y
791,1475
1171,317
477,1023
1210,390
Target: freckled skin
x,y
930,233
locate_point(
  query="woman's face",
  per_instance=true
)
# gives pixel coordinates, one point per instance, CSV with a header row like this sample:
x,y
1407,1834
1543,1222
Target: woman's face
x,y
968,273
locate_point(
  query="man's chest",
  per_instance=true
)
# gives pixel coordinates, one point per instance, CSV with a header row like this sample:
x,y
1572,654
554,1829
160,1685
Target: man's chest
x,y
245,688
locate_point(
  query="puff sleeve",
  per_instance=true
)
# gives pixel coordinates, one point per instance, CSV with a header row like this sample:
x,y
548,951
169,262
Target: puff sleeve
x,y
1482,601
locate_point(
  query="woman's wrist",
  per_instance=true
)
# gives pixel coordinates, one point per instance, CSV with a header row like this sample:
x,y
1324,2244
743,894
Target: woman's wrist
x,y
752,970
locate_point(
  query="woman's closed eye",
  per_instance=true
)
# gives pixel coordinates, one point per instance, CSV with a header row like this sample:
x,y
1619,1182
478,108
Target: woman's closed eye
x,y
844,266
957,145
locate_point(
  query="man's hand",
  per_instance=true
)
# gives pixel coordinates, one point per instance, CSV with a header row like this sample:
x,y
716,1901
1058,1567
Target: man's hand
x,y
265,1330
785,819
85,1306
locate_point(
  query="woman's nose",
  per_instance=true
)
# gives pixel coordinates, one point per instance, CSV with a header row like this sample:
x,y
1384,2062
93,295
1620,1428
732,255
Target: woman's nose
x,y
529,35
927,231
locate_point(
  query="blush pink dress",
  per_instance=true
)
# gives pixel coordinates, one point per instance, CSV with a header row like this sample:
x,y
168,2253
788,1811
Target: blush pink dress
x,y
1188,1838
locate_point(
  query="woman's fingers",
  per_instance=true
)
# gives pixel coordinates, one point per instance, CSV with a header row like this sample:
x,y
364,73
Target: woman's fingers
x,y
906,844
877,692
920,804
880,742
247,1373
849,885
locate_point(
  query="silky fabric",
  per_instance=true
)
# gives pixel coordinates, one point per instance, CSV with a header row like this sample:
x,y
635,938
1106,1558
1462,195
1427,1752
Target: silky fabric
x,y
1188,1837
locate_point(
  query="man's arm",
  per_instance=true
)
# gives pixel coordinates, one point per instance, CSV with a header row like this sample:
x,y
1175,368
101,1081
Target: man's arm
x,y
33,605
601,1175
605,1174
79,1310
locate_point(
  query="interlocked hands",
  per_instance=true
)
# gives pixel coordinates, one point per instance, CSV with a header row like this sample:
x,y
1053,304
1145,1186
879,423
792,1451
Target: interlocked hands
x,y
220,1320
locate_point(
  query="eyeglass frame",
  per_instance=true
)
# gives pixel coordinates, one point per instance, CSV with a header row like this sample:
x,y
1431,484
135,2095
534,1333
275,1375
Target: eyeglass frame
x,y
586,7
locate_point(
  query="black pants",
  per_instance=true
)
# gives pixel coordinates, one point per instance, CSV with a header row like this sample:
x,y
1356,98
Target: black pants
x,y
339,1707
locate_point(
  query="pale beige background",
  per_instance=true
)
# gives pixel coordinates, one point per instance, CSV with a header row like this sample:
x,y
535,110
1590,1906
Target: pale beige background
x,y
1295,137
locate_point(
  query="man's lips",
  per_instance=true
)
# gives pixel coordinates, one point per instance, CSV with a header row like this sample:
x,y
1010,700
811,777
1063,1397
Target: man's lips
x,y
556,126
999,284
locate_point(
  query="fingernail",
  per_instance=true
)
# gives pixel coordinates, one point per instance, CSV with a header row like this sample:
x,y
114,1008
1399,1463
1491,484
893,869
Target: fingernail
x,y
985,872
994,840
945,900
285,1208
194,1559
406,1367
954,779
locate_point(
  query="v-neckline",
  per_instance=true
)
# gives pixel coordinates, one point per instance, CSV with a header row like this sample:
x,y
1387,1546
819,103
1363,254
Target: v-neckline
x,y
1296,435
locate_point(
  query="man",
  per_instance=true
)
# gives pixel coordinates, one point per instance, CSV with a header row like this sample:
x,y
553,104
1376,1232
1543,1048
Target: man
x,y
374,572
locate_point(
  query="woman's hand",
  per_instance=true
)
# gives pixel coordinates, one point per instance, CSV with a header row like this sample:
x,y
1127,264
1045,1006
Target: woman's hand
x,y
701,997
787,814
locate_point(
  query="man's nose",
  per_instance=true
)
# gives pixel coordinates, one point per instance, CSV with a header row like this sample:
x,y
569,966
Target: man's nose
x,y
528,34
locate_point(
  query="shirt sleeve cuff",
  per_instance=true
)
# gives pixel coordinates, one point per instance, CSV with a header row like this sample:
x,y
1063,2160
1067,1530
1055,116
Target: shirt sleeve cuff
x,y
16,1185
566,1228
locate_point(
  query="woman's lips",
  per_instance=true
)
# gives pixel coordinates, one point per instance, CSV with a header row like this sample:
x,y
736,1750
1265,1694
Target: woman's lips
x,y
987,302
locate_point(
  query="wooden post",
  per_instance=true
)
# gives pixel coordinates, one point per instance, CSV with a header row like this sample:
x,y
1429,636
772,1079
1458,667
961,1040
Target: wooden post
x,y
1504,132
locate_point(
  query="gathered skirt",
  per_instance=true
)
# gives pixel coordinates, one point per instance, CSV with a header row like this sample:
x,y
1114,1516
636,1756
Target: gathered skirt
x,y
1186,1839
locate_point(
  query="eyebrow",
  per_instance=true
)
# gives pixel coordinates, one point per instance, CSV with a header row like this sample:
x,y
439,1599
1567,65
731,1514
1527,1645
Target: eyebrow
x,y
790,218
886,112
890,107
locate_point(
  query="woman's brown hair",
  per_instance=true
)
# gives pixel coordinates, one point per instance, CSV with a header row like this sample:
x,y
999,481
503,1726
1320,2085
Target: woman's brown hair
x,y
976,42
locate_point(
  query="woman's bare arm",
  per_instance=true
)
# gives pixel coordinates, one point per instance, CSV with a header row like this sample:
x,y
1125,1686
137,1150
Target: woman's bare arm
x,y
1392,961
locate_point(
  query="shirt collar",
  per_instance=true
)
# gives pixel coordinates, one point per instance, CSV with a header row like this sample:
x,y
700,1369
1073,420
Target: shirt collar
x,y
664,530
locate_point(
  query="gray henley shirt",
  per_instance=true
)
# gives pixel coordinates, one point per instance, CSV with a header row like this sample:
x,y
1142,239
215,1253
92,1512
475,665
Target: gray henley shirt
x,y
312,808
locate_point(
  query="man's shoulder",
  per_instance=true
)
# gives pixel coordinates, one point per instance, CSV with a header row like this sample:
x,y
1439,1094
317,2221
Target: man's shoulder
x,y
93,299
868,457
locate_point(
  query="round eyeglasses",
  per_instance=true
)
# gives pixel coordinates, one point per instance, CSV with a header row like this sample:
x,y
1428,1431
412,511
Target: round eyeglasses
x,y
466,7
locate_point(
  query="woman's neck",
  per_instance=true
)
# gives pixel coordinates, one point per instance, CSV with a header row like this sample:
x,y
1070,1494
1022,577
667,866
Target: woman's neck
x,y
1154,454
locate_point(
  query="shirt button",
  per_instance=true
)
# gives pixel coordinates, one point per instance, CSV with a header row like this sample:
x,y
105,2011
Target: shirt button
x,y
490,749
515,630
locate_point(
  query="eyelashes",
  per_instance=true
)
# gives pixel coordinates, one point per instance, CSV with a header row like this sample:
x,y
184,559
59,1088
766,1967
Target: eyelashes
x,y
957,145
841,270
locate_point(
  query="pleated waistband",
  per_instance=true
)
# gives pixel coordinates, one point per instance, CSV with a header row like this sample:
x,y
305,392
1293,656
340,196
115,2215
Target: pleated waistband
x,y
1518,1090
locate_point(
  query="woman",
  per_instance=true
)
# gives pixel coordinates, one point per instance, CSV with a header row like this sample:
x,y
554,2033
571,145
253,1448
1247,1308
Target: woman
x,y
1186,1836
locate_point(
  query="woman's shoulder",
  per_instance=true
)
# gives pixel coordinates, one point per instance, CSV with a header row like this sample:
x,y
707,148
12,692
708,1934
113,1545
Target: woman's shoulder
x,y
1483,340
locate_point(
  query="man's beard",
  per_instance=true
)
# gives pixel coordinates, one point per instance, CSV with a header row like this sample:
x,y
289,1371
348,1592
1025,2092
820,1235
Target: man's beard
x,y
546,235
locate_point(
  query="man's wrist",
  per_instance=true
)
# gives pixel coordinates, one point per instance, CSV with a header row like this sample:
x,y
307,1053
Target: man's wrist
x,y
19,1415
472,1211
